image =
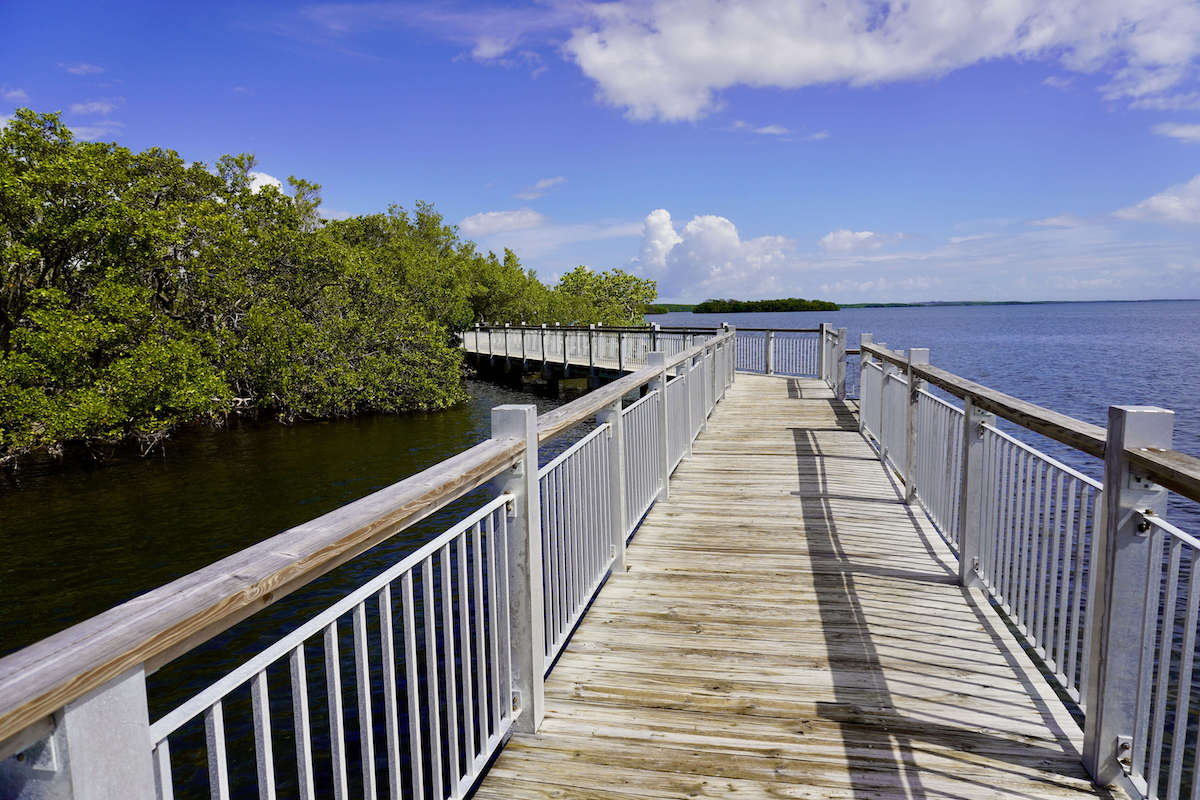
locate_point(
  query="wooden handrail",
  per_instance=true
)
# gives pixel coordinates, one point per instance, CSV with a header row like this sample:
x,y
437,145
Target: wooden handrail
x,y
166,622
1176,471
1070,431
565,416
779,330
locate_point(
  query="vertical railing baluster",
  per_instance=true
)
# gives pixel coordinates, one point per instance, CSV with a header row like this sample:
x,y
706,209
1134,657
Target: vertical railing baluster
x,y
301,725
916,355
432,698
214,741
412,687
464,649
333,694
362,685
391,707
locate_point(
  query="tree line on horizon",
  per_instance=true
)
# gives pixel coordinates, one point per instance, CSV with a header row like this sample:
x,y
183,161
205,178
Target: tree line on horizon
x,y
140,293
781,304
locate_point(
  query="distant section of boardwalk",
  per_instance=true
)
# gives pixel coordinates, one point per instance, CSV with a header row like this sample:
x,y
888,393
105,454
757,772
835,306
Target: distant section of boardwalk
x,y
789,628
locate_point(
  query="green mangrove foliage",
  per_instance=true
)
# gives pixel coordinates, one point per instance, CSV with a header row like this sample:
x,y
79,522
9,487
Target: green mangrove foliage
x,y
782,304
139,293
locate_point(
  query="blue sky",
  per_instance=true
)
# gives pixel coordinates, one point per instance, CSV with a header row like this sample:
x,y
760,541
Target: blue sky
x,y
1007,149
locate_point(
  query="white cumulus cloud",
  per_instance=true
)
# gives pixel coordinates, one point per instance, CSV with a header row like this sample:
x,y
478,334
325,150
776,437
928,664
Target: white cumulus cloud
x,y
12,94
1179,203
487,223
82,68
259,180
99,130
669,60
1176,130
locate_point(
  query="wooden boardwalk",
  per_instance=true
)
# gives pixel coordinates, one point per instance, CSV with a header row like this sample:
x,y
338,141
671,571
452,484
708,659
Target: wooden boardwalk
x,y
788,628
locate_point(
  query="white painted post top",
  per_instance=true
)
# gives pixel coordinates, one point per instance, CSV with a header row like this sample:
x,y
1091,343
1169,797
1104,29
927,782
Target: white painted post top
x,y
918,355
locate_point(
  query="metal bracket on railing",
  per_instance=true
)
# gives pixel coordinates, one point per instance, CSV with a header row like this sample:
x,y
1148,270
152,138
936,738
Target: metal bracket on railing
x,y
510,504
1125,753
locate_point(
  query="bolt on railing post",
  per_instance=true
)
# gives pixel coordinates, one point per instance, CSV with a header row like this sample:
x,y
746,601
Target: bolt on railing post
x,y
99,748
840,379
863,361
769,352
658,360
616,481
525,601
1119,575
916,355
970,493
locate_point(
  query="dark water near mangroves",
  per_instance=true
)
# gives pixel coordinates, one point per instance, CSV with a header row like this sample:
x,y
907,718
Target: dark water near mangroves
x,y
77,541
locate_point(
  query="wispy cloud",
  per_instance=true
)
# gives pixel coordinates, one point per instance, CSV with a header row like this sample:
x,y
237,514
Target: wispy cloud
x,y
106,106
1059,82
1060,221
772,130
540,188
1179,203
101,129
487,223
12,94
1181,131
81,68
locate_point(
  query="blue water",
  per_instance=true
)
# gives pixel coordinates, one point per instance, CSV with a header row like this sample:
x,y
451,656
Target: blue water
x,y
1075,358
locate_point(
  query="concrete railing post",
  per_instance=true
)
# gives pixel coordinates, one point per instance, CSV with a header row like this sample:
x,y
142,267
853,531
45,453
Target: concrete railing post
x,y
916,355
769,352
525,601
658,360
1119,575
99,749
616,481
970,504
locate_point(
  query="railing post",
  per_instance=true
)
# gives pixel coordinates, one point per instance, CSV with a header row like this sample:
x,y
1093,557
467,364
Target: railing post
x,y
491,348
863,361
566,360
970,495
506,329
887,369
525,602
616,481
1119,576
658,361
685,373
916,355
654,329
591,349
542,334
822,353
523,356
620,351
99,749
840,379
769,352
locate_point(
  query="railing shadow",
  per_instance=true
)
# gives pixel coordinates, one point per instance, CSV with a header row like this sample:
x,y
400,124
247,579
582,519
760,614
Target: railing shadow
x,y
887,719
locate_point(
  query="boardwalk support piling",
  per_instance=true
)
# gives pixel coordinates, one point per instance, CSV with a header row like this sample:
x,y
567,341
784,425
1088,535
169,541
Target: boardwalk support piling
x,y
970,506
1120,576
528,638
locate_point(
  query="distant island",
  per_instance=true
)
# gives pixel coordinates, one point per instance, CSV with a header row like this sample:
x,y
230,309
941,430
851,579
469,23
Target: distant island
x,y
781,304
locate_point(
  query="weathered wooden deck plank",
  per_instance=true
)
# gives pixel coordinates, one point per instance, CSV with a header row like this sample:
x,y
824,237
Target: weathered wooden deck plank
x,y
789,628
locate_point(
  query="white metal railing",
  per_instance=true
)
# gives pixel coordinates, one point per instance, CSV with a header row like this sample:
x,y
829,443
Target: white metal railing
x,y
1092,577
409,683
643,457
802,352
577,524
